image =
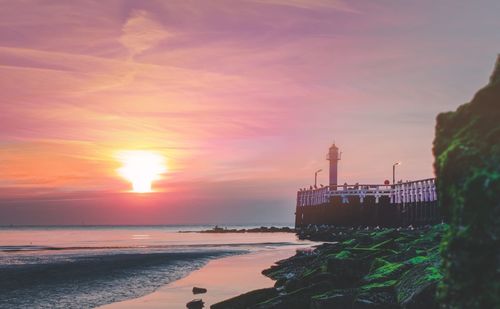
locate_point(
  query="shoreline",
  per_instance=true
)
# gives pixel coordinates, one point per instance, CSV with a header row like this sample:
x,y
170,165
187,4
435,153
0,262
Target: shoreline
x,y
224,278
393,268
128,263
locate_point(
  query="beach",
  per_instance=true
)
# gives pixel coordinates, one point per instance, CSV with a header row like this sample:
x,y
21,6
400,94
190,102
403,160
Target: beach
x,y
223,278
88,267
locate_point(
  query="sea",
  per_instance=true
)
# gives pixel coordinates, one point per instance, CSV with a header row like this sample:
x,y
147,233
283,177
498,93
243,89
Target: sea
x,y
89,266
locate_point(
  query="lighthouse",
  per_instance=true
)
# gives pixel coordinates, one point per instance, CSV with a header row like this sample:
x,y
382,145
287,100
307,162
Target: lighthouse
x,y
333,156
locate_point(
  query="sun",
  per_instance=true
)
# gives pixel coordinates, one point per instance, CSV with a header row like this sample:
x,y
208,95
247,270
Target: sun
x,y
141,168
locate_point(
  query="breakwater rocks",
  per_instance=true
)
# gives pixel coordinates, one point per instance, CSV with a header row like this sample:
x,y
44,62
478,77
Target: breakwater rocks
x,y
467,164
382,268
262,229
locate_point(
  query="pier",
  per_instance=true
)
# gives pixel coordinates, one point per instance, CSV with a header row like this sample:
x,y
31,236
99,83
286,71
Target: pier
x,y
400,193
399,204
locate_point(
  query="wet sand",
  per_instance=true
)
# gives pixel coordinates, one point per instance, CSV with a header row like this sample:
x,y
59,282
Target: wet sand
x,y
224,278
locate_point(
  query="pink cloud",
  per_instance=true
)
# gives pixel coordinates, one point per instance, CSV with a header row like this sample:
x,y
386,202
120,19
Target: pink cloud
x,y
244,95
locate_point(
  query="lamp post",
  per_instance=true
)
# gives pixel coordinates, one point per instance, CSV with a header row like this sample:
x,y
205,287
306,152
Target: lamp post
x,y
394,172
316,177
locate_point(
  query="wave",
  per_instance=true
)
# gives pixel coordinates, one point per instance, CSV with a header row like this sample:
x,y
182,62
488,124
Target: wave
x,y
23,248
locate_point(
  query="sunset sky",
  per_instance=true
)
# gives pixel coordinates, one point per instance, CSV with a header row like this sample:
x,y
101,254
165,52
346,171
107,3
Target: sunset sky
x,y
241,98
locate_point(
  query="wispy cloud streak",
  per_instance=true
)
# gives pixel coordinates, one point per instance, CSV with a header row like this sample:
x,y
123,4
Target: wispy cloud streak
x,y
235,94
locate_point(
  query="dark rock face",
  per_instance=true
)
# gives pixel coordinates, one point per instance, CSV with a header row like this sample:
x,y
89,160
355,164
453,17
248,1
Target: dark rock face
x,y
467,164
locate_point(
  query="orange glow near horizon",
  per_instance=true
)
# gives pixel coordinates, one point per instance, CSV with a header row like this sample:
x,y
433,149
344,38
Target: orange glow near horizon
x,y
141,168
222,111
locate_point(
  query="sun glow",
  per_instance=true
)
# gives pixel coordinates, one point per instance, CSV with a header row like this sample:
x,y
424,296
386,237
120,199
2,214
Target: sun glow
x,y
141,168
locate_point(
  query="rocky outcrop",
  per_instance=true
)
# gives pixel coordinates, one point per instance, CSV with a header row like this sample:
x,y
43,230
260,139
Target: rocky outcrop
x,y
380,268
403,268
467,164
262,229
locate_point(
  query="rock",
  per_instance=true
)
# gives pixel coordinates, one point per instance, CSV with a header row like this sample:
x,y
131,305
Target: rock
x,y
197,290
346,272
352,272
297,299
467,165
362,303
247,300
382,270
195,304
385,234
336,299
365,240
417,287
289,268
376,295
262,229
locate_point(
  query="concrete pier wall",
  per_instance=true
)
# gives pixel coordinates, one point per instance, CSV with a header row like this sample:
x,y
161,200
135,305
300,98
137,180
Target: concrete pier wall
x,y
385,205
355,213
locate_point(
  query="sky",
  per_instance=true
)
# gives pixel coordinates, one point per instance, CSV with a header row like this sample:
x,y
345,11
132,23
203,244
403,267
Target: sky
x,y
241,98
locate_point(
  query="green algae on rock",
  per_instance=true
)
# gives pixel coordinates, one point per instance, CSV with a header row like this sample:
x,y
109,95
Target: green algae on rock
x,y
467,164
401,268
247,300
385,268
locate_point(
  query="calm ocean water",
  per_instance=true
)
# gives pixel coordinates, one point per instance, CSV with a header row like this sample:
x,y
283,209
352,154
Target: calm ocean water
x,y
88,266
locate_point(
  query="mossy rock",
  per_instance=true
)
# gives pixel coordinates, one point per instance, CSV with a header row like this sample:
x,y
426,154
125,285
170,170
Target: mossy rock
x,y
467,164
298,299
365,240
402,256
284,270
417,287
419,259
342,255
382,271
275,273
385,234
347,272
335,299
246,300
377,295
350,242
311,278
386,244
378,286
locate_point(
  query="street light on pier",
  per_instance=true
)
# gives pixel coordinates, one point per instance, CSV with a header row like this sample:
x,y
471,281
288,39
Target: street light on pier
x,y
394,172
316,177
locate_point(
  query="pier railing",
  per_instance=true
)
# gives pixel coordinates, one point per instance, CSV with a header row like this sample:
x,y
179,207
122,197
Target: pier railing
x,y
400,193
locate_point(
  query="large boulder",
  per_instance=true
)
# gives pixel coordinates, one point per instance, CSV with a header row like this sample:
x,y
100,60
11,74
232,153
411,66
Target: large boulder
x,y
467,164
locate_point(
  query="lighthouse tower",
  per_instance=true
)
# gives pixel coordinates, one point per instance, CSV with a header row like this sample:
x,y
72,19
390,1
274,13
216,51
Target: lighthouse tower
x,y
333,156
